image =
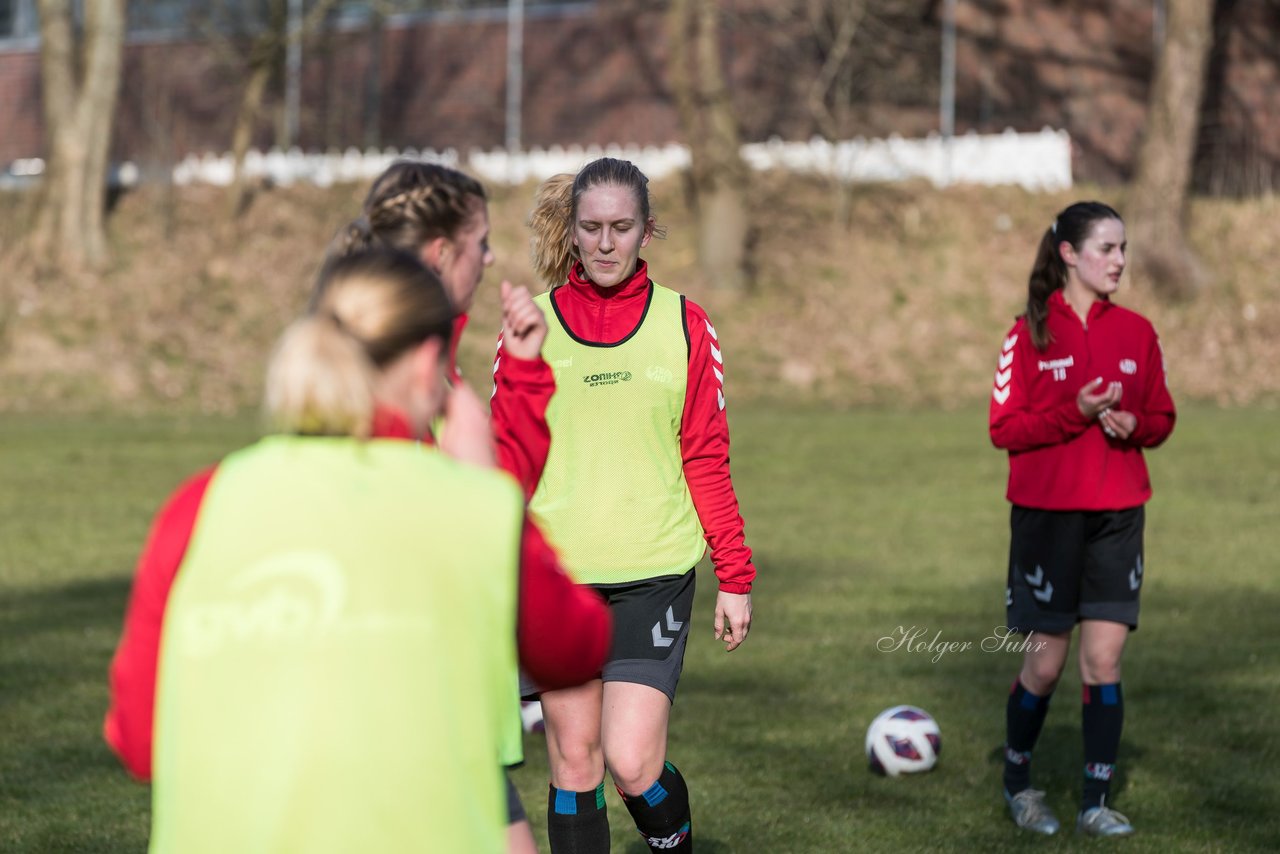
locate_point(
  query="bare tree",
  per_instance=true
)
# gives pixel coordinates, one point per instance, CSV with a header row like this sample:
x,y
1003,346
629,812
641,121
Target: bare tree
x,y
1158,201
257,42
80,74
830,61
717,173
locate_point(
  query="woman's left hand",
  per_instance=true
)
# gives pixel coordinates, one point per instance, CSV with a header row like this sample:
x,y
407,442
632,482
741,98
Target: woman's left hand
x,y
1117,423
733,618
467,436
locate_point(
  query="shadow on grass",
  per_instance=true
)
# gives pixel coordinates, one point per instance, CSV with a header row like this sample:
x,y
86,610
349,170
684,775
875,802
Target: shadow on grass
x,y
60,787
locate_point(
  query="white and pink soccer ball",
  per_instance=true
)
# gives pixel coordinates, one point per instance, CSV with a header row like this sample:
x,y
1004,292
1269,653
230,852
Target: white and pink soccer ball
x,y
903,740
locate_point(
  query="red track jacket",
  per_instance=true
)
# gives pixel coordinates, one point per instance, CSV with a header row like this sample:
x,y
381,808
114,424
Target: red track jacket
x,y
1057,459
610,314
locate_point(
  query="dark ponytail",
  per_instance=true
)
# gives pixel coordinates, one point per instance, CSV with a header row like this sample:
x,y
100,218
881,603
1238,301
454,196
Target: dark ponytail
x,y
1049,272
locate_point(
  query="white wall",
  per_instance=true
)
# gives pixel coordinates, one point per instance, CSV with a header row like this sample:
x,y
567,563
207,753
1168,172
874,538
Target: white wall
x,y
1035,161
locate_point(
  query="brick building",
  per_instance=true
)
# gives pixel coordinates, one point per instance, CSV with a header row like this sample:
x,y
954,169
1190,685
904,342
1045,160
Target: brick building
x,y
596,72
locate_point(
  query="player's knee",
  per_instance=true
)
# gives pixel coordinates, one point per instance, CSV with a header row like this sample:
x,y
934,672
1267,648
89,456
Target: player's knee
x,y
1099,667
576,765
633,769
1040,677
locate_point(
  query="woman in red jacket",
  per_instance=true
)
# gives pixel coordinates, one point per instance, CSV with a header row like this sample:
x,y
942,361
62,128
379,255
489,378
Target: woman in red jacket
x,y
1079,391
636,485
373,352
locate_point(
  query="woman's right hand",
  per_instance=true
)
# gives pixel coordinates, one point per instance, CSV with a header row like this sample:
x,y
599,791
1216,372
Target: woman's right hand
x,y
1092,402
524,327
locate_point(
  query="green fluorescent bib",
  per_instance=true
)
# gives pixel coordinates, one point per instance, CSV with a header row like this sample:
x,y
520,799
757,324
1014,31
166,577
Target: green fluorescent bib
x,y
338,663
613,498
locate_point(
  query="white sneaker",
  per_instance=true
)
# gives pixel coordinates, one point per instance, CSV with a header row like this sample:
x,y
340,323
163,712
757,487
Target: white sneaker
x,y
1030,812
1103,821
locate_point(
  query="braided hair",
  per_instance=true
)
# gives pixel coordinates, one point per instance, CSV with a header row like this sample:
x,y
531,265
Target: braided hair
x,y
410,204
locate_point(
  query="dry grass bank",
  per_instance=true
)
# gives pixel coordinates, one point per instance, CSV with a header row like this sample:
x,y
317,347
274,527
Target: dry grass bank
x,y
902,306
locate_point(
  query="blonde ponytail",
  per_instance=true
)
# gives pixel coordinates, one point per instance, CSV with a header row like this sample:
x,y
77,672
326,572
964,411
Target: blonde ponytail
x,y
320,381
551,221
367,309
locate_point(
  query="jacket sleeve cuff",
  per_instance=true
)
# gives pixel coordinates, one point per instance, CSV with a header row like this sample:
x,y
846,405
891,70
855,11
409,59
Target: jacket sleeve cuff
x,y
1073,416
735,587
518,370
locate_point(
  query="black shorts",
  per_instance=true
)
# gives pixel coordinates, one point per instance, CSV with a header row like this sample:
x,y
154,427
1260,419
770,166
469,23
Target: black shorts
x,y
515,807
1067,566
650,631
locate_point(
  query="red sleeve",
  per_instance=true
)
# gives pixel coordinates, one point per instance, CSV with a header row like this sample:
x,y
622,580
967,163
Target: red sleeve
x,y
1157,415
563,630
522,389
1013,423
127,727
704,446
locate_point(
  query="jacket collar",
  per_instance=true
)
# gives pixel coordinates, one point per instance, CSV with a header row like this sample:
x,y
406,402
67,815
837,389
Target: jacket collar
x,y
636,286
1057,302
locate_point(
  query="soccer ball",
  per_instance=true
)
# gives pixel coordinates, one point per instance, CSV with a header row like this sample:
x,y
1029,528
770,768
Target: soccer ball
x,y
903,740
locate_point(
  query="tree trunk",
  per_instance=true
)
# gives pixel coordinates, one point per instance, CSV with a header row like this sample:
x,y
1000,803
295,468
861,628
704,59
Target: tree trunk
x,y
1158,201
266,56
717,173
255,90
81,82
373,78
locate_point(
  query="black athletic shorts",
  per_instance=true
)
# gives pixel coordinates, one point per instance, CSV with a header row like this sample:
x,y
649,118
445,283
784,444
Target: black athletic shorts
x,y
515,807
1067,566
650,631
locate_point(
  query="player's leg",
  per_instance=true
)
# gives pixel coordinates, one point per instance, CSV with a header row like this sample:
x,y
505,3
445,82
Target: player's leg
x,y
1109,611
520,838
577,822
1025,713
635,747
651,622
1046,557
519,833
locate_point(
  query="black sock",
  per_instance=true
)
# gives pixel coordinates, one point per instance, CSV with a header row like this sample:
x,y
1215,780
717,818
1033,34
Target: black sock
x,y
1102,719
1024,718
577,822
661,813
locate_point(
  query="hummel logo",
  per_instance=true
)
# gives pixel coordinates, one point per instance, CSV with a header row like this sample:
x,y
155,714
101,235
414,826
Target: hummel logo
x,y
1040,587
673,625
1135,575
1004,374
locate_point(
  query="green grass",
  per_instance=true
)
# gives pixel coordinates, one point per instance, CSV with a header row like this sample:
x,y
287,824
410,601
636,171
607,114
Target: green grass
x,y
862,522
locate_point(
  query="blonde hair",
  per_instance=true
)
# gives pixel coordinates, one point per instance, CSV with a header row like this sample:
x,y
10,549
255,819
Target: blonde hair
x,y
555,206
368,308
408,205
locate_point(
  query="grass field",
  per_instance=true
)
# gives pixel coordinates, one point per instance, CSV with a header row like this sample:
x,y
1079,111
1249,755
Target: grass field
x,y
864,524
